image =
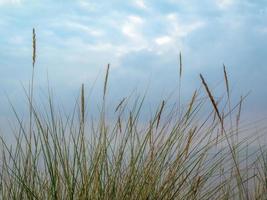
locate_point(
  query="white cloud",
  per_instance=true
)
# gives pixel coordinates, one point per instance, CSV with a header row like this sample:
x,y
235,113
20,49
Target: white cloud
x,y
175,30
223,4
77,26
141,4
185,29
14,2
172,17
163,40
179,29
132,27
88,5
129,31
87,29
135,19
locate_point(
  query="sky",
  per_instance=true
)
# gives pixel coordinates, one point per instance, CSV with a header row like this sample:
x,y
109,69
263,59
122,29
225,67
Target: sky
x,y
141,39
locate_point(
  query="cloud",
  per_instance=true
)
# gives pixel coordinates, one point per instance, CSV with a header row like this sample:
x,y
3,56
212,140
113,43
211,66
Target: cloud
x,y
87,4
12,2
131,28
223,4
76,39
141,4
76,26
179,29
163,40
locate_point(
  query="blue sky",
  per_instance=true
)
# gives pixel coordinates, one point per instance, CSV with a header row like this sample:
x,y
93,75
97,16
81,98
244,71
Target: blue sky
x,y
141,39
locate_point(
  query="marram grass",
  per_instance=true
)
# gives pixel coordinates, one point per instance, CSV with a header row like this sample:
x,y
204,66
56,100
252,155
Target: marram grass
x,y
177,154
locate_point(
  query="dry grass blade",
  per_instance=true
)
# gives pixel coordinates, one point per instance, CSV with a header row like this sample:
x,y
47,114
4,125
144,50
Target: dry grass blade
x,y
226,81
106,81
228,94
189,141
31,84
33,47
211,97
192,102
239,112
180,81
119,105
119,124
82,104
181,65
239,177
160,112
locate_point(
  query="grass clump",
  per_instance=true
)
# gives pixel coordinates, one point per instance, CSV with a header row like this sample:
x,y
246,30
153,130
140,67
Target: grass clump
x,y
178,154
